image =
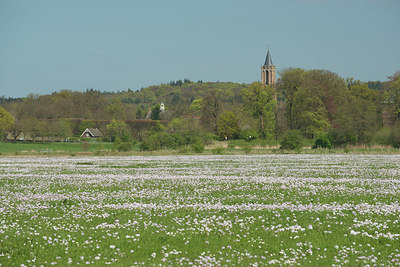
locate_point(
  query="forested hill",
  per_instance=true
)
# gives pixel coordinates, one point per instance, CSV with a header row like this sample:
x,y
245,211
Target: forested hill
x,y
308,101
126,105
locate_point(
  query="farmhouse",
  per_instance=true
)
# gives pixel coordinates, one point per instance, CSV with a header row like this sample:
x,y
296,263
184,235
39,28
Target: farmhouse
x,y
92,133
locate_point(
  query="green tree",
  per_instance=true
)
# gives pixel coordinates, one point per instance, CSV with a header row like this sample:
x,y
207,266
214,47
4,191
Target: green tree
x,y
289,83
392,99
227,125
358,119
62,104
155,112
116,110
308,112
139,113
323,140
292,140
6,122
211,109
393,108
83,125
311,99
197,144
41,128
259,100
149,96
197,106
185,127
61,129
118,129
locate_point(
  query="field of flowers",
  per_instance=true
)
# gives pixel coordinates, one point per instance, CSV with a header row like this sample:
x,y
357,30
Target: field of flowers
x,y
197,210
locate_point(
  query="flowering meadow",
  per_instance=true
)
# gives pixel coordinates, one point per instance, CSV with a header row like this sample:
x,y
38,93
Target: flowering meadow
x,y
200,210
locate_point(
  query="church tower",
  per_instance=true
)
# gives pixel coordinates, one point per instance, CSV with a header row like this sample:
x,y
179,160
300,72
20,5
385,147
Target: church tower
x,y
268,71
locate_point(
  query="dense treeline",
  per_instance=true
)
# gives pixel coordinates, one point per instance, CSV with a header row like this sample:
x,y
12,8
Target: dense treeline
x,y
312,104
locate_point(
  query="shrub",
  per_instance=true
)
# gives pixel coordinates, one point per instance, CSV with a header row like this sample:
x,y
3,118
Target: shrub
x,y
162,140
209,137
122,146
150,143
342,137
248,135
218,150
197,145
118,129
395,138
383,137
247,148
180,141
323,141
227,126
292,140
166,140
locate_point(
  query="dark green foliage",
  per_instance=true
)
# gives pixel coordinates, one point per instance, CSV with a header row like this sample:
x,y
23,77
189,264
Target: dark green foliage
x,y
376,85
150,143
171,141
323,140
383,137
292,140
395,137
158,127
178,83
340,137
123,146
208,138
140,114
155,112
357,120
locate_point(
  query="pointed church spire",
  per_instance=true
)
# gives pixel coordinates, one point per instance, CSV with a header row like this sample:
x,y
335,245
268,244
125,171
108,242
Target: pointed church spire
x,y
268,71
268,60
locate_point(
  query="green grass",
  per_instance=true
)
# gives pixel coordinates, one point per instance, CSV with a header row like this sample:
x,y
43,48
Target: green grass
x,y
51,147
104,148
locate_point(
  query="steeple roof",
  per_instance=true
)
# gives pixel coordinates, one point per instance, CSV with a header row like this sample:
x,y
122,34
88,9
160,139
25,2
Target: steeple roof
x,y
268,60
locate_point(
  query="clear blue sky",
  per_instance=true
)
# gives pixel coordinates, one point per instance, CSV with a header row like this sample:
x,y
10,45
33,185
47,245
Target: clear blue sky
x,y
47,46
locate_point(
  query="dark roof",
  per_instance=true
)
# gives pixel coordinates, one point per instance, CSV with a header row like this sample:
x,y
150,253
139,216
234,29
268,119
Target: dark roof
x,y
268,60
95,132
